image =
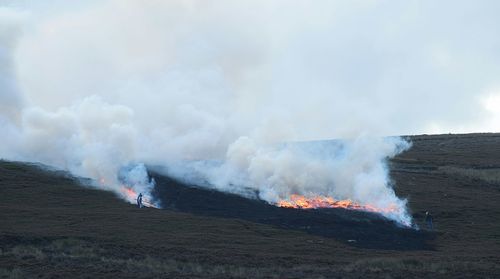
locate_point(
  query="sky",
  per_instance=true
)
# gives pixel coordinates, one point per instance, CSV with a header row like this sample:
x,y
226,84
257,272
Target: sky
x,y
90,86
344,68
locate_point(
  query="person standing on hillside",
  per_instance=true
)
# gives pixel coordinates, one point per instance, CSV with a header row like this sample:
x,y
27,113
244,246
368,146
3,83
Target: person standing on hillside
x,y
139,200
428,220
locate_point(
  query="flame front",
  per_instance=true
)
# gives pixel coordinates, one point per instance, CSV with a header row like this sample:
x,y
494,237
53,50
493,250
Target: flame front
x,y
131,195
302,202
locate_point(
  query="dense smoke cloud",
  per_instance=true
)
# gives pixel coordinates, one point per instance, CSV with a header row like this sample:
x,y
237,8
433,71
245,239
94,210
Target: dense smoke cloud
x,y
217,91
353,170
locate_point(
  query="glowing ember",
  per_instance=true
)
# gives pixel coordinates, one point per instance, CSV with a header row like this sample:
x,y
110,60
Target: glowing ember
x,y
302,202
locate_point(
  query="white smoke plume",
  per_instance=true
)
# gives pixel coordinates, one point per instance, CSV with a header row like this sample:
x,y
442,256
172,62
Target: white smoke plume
x,y
347,170
135,177
226,92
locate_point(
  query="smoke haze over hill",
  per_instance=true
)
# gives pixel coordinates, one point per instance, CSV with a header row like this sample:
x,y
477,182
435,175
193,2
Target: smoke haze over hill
x,y
96,86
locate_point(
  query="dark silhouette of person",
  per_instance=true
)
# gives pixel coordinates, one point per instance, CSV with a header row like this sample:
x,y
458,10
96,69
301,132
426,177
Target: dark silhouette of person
x,y
428,220
139,200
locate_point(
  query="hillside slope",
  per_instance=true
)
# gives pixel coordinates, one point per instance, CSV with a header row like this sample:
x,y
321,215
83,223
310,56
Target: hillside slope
x,y
53,228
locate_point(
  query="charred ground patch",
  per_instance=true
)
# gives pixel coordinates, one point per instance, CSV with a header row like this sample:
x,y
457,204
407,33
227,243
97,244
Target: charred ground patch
x,y
357,228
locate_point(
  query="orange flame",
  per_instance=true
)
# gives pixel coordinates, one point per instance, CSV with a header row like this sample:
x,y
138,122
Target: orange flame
x,y
302,202
132,196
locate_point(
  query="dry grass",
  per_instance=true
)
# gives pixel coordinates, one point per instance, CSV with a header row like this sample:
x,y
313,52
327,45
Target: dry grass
x,y
153,266
71,251
14,273
26,251
391,267
487,175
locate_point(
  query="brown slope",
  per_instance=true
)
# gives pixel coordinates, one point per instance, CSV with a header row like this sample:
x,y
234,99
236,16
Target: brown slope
x,y
51,227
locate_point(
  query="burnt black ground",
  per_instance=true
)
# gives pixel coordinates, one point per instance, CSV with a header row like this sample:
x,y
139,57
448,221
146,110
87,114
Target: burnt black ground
x,y
360,229
50,227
